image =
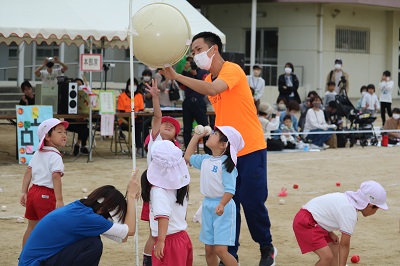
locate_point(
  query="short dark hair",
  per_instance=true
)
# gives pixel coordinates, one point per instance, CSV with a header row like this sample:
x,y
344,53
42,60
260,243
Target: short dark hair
x,y
331,83
312,93
147,72
332,104
281,99
293,106
396,110
290,65
339,61
25,84
286,117
363,87
210,38
78,79
113,200
387,73
371,86
256,67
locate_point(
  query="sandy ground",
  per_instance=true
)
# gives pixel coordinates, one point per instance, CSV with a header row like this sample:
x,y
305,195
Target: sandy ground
x,y
376,238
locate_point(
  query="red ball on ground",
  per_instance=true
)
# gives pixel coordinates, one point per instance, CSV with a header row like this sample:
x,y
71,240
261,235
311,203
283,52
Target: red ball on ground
x,y
355,259
338,184
295,186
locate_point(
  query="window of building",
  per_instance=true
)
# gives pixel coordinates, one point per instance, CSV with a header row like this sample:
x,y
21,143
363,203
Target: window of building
x,y
352,40
95,50
13,50
266,52
45,50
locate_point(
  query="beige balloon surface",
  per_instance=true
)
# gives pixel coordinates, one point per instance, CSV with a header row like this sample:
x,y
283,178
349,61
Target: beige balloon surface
x,y
163,35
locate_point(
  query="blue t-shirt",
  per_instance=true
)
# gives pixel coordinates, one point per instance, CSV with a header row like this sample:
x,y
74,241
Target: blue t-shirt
x,y
61,228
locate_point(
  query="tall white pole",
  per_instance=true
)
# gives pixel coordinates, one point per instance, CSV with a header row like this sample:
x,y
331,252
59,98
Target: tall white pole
x,y
33,61
21,63
253,35
131,74
321,47
90,105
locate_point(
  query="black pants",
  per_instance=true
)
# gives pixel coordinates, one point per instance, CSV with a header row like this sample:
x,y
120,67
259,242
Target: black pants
x,y
138,131
275,145
388,108
82,130
194,108
86,252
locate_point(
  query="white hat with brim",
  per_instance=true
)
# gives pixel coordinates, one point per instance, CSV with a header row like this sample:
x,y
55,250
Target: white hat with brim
x,y
168,168
45,127
370,192
234,138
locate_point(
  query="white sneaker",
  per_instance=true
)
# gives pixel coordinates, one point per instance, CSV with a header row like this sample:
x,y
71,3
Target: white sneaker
x,y
325,146
315,147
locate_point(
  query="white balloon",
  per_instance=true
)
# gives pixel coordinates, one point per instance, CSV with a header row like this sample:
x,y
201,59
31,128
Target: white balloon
x,y
199,129
163,35
208,130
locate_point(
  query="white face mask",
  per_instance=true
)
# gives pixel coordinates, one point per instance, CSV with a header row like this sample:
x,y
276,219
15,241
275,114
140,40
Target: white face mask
x,y
338,66
396,116
202,60
281,107
363,93
134,88
146,78
288,70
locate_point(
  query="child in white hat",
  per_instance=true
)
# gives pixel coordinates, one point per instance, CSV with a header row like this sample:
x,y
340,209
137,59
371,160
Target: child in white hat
x,y
217,184
44,172
314,224
169,179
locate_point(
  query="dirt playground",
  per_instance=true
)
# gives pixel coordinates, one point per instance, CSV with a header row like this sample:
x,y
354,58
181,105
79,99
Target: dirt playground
x,y
375,240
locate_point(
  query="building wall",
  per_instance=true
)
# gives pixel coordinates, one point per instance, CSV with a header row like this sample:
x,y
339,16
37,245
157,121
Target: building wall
x,y
298,27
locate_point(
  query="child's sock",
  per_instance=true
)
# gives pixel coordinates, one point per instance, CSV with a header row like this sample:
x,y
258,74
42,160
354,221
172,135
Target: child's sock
x,y
146,259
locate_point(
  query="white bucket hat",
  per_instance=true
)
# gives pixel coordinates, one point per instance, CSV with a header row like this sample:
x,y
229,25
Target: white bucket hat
x,y
168,168
370,192
266,108
45,127
234,138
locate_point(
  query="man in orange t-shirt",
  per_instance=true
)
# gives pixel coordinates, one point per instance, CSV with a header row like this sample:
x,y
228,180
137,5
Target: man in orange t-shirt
x,y
230,95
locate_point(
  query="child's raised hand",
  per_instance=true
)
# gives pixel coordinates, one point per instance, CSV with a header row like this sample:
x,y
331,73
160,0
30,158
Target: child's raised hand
x,y
153,89
134,185
219,210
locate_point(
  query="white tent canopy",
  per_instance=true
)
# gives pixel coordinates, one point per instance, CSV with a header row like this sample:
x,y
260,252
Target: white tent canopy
x,y
75,21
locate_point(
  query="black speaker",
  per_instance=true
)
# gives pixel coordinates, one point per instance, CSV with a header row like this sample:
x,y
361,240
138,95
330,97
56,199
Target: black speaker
x,y
237,58
72,98
67,98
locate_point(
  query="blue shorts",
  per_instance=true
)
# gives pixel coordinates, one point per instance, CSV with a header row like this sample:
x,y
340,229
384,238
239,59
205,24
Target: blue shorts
x,y
218,230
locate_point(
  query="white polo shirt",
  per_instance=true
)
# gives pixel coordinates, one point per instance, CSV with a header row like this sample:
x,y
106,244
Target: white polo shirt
x,y
163,205
44,163
50,80
333,212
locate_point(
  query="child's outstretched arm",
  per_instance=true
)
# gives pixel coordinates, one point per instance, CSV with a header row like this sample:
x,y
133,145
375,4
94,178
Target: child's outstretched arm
x,y
58,189
154,91
25,186
344,249
219,210
191,148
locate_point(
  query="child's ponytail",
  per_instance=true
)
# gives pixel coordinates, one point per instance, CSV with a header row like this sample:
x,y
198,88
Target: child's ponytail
x,y
228,163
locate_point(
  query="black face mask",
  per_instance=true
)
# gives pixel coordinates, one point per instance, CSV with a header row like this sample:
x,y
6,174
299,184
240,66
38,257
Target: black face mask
x,y
50,64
